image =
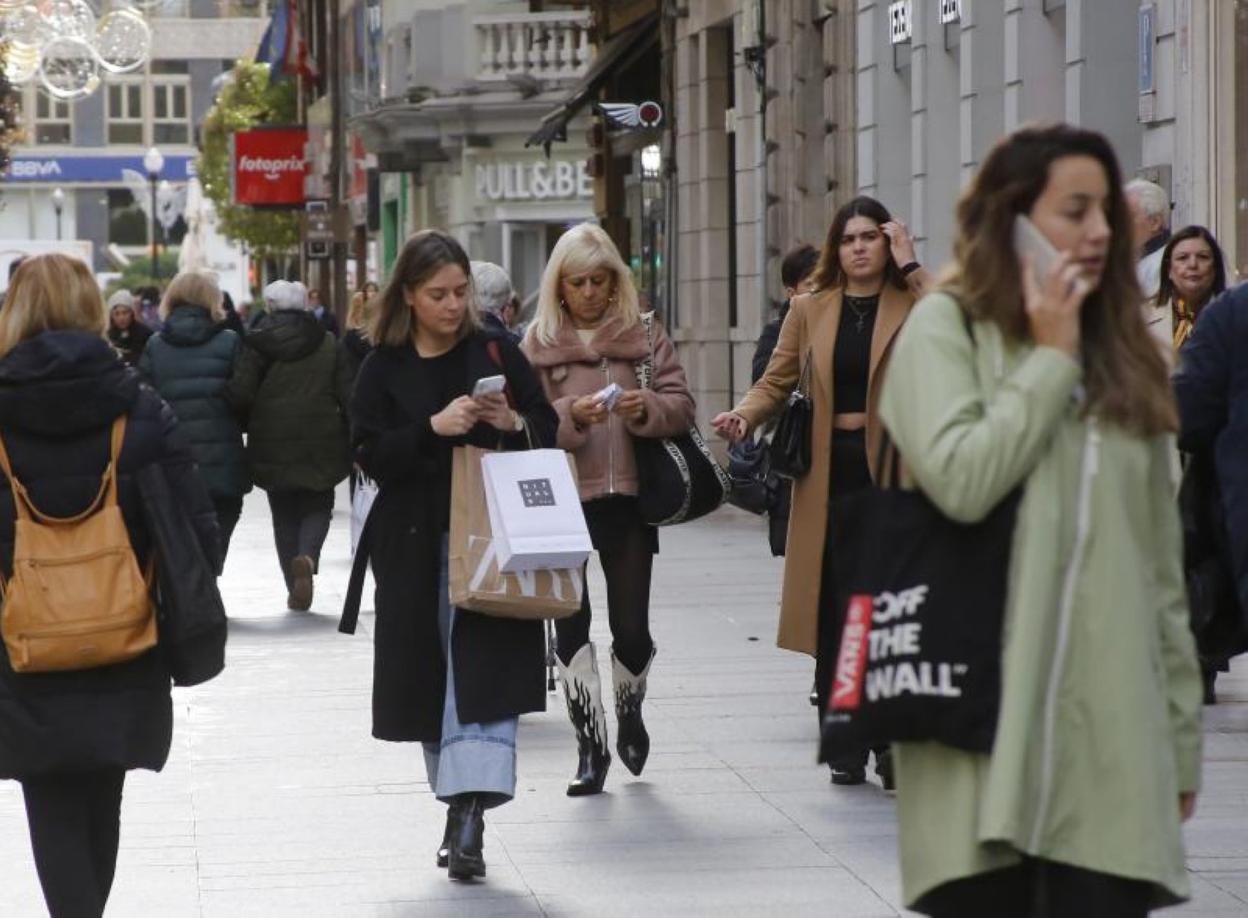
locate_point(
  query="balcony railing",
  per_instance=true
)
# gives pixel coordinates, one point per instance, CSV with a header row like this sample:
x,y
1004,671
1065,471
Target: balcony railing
x,y
543,46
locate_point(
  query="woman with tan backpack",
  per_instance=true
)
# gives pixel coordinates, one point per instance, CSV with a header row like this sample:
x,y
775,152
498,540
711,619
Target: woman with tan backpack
x,y
84,693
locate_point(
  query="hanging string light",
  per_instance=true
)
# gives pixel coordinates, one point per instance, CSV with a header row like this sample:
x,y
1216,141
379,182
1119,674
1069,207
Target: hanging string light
x,y
65,44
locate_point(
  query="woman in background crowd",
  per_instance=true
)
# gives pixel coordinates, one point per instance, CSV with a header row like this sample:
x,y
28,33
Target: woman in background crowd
x,y
588,333
189,362
1193,272
1005,380
125,332
865,284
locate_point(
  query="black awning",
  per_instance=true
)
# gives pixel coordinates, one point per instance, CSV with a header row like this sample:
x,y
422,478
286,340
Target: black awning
x,y
620,52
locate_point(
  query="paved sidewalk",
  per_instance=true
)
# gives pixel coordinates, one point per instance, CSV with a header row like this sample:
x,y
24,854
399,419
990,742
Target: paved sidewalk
x,y
277,802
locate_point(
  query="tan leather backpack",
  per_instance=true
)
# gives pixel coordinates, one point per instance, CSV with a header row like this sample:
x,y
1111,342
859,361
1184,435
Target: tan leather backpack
x,y
76,599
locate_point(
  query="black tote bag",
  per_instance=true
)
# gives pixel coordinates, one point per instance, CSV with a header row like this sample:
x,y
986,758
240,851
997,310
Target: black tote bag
x,y
678,479
923,599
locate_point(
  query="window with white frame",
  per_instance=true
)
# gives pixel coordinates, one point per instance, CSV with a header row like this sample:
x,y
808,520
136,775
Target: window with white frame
x,y
171,122
53,122
125,112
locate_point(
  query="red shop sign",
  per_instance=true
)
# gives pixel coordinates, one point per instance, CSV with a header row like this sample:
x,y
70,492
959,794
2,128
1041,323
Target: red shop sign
x,y
267,166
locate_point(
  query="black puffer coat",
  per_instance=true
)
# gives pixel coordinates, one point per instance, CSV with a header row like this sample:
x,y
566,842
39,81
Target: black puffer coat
x,y
59,395
288,382
189,363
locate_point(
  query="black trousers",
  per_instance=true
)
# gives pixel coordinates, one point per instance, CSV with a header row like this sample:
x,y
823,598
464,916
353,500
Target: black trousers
x,y
626,547
229,509
75,824
1038,888
300,525
850,473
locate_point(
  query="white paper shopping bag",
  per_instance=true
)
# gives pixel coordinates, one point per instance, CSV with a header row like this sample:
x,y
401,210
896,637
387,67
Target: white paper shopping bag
x,y
535,510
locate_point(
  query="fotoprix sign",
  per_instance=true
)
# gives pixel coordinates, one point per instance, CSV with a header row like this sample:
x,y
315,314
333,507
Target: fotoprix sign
x,y
267,167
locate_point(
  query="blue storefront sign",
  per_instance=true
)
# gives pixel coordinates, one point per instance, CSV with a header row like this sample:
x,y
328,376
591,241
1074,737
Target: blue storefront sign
x,y
104,169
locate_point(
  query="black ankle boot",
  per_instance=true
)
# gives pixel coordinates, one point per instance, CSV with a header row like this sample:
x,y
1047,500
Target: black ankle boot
x,y
583,691
632,741
465,858
452,818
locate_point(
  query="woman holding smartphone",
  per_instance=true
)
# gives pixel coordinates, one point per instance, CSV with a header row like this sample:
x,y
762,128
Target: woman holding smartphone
x,y
1012,378
586,341
865,283
451,679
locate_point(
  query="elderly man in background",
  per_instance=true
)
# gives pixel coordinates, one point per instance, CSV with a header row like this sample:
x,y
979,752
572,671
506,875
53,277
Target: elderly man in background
x,y
288,384
1150,230
496,298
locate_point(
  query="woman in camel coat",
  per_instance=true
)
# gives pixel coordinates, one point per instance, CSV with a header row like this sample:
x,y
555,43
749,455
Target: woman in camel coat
x,y
866,283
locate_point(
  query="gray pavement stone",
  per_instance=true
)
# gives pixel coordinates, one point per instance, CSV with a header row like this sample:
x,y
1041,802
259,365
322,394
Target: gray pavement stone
x,y
277,802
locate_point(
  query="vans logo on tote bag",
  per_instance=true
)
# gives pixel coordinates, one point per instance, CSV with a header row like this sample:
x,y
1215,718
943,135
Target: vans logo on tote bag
x,y
881,647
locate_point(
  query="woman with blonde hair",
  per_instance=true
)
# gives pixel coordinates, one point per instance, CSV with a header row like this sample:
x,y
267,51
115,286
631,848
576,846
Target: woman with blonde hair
x,y
451,679
586,341
71,736
189,362
1013,378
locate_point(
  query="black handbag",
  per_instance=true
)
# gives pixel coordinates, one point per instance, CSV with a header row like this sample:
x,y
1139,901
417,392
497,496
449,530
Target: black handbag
x,y
190,616
922,599
790,446
678,479
749,464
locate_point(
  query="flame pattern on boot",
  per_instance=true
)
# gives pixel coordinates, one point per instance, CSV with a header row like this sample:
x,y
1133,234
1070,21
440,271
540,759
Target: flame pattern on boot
x,y
582,689
632,741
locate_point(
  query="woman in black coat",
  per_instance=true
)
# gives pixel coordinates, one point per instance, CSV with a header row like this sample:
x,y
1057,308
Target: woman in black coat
x,y
70,737
411,407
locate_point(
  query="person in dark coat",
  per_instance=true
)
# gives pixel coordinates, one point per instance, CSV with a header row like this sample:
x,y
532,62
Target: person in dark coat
x,y
411,407
496,300
126,333
189,363
323,313
795,272
1211,384
70,737
233,321
288,384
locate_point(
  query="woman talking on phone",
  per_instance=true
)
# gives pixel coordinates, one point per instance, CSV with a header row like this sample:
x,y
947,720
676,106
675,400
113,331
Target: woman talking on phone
x,y
585,341
451,679
865,283
1032,370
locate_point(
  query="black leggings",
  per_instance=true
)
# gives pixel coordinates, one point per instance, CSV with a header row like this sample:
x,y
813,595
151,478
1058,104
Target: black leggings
x,y
1038,888
626,547
75,823
300,524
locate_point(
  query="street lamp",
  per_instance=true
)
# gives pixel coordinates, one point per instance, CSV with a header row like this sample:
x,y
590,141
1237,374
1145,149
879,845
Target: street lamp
x,y
58,203
154,162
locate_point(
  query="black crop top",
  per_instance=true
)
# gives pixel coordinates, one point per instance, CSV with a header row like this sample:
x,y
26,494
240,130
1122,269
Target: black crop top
x,y
851,359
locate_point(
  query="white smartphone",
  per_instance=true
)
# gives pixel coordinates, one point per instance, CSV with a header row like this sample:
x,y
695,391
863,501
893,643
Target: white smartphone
x,y
1030,242
609,395
489,385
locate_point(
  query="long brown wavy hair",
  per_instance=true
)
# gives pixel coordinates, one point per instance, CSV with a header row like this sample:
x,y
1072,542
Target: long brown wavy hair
x,y
1124,371
829,272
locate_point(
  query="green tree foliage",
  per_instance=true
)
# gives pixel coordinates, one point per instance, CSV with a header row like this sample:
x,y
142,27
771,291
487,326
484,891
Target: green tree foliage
x,y
248,99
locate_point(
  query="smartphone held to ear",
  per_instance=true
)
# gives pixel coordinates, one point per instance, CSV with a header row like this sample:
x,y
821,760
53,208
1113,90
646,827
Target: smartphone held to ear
x,y
1030,243
489,385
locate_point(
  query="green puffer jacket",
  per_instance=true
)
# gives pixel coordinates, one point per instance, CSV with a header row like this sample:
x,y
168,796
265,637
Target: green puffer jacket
x,y
189,362
1100,712
289,384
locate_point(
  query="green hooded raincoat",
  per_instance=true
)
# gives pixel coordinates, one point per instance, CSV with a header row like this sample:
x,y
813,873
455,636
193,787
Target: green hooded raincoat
x,y
1099,729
